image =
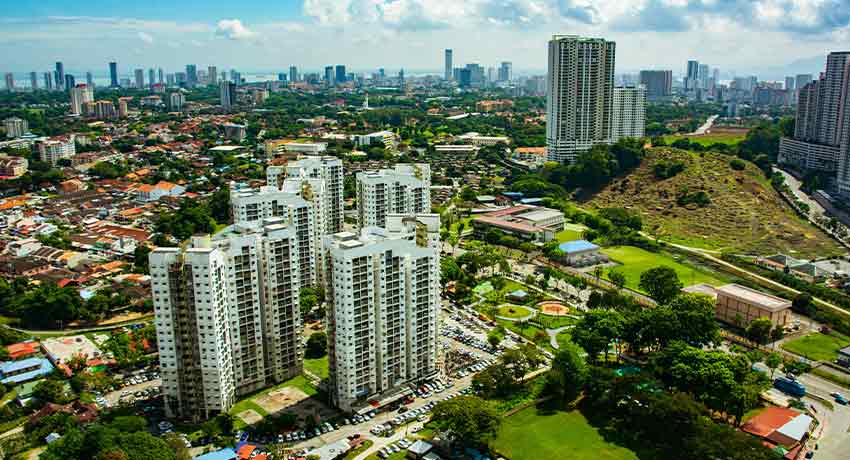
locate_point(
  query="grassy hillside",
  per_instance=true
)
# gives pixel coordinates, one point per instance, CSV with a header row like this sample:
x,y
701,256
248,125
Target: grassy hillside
x,y
745,214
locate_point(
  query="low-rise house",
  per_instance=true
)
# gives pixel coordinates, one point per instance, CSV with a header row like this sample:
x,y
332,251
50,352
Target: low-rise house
x,y
785,430
147,193
82,412
25,370
13,167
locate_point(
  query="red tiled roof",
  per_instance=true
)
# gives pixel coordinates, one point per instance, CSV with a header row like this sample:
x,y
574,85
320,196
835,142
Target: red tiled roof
x,y
773,418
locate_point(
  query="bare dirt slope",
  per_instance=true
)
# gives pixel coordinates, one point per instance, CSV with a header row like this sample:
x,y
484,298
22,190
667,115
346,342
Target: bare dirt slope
x,y
745,214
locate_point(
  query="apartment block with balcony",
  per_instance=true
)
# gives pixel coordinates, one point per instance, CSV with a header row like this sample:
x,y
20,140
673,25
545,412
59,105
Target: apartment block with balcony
x,y
405,189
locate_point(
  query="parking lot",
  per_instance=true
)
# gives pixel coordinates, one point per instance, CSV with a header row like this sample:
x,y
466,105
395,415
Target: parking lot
x,y
135,388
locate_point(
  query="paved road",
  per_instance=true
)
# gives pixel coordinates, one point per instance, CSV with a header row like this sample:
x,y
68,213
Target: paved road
x,y
553,336
834,440
705,126
794,184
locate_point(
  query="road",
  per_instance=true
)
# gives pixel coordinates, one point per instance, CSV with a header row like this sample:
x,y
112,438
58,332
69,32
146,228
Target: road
x,y
834,441
705,126
794,184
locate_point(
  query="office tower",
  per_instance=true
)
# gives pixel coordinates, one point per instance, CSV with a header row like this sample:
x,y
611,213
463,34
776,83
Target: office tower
x,y
281,76
236,77
341,76
170,80
405,189
658,83
821,114
15,127
89,80
252,205
692,75
383,299
803,79
161,76
579,96
448,65
151,77
476,75
629,112
491,75
227,316
227,92
70,81
176,101
191,75
33,81
212,74
506,71
59,76
790,83
113,74
10,82
401,83
80,94
329,75
180,78
140,78
325,168
48,81
464,78
703,76
293,74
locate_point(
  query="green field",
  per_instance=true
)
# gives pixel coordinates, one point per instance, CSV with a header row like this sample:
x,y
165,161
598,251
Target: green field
x,y
708,139
534,435
634,261
570,232
247,402
317,366
817,346
513,311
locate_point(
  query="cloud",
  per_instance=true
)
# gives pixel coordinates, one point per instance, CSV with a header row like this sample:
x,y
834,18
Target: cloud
x,y
145,37
233,29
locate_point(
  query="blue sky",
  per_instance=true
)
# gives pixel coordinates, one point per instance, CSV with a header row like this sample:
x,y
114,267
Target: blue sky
x,y
252,35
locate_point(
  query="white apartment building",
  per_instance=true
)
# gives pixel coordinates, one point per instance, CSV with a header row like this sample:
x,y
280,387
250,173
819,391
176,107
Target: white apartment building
x,y
477,140
80,95
629,118
15,127
253,205
383,294
405,189
54,149
387,139
227,316
329,170
580,95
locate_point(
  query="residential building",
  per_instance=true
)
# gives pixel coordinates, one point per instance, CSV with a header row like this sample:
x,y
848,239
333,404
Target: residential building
x,y
69,81
580,95
629,109
176,101
383,300
227,90
11,167
802,80
59,76
790,84
48,81
191,75
15,127
54,149
478,140
123,109
80,95
212,75
33,81
10,81
100,110
388,139
293,74
534,156
403,190
692,76
140,78
227,316
447,75
235,132
658,83
325,168
505,72
147,193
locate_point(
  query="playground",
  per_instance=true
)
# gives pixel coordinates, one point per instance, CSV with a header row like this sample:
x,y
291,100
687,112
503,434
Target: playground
x,y
552,308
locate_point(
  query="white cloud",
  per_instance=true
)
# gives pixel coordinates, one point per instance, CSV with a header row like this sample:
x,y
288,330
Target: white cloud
x,y
145,37
233,29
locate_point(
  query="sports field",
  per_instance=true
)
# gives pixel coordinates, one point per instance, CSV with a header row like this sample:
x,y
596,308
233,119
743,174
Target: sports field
x,y
818,346
534,435
634,261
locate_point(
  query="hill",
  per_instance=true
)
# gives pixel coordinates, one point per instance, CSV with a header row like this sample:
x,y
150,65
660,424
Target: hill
x,y
742,213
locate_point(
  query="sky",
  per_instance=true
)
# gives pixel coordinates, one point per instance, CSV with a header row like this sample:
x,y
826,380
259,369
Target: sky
x,y
740,36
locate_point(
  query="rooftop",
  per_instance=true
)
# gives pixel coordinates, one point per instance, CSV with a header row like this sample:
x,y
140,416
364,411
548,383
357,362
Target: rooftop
x,y
752,296
577,246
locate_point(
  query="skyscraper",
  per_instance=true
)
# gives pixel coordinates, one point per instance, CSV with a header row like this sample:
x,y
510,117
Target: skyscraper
x,y
329,170
161,76
33,81
629,112
59,76
341,76
293,74
227,316
658,83
790,83
402,190
227,91
448,65
151,77
329,75
113,74
80,95
505,71
580,95
48,81
89,80
692,75
803,79
383,298
191,75
10,81
704,75
140,78
821,126
176,101
70,81
212,74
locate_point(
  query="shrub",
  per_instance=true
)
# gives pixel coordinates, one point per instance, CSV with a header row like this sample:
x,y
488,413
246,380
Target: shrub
x,y
737,164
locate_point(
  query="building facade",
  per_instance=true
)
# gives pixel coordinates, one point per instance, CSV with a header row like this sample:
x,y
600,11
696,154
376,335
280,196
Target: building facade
x,y
629,112
15,127
658,83
325,168
405,189
580,95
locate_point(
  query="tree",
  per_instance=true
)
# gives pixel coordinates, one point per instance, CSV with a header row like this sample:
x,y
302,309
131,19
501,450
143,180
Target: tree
x,y
317,345
759,330
618,278
569,371
50,391
773,361
495,337
661,283
175,443
468,420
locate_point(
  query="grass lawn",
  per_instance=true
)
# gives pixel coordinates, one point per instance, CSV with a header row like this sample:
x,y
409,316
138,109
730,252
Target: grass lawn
x,y
513,311
821,347
317,366
708,139
634,261
353,453
529,332
533,435
571,232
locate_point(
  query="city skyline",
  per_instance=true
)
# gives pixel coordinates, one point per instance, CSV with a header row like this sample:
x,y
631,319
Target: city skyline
x,y
412,34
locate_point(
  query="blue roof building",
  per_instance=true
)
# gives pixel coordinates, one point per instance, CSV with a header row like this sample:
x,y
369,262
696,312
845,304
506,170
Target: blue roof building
x,y
224,454
25,370
572,247
582,253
